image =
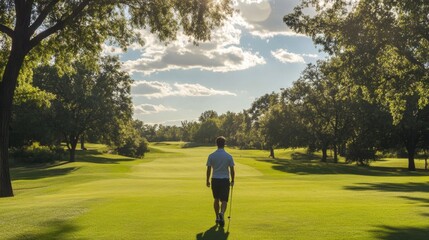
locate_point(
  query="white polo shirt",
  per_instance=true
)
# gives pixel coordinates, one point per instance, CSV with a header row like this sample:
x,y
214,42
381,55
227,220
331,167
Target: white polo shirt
x,y
220,160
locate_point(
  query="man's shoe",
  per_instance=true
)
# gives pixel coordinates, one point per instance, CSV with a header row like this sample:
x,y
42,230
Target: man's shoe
x,y
221,220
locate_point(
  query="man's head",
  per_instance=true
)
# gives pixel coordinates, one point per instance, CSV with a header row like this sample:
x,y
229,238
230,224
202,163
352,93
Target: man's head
x,y
220,141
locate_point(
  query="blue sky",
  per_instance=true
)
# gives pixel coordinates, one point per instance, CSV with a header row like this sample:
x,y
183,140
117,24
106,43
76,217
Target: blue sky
x,y
253,54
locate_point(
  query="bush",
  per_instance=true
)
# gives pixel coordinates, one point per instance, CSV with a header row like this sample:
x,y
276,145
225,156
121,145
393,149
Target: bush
x,y
36,153
133,147
359,153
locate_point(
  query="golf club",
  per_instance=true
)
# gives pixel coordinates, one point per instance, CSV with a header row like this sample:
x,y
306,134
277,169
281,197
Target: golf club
x,y
230,204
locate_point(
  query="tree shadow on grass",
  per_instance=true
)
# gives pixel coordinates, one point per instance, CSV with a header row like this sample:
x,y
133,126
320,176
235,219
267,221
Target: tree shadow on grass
x,y
424,202
213,233
397,187
32,173
401,233
391,187
57,230
94,156
304,156
303,164
194,145
416,199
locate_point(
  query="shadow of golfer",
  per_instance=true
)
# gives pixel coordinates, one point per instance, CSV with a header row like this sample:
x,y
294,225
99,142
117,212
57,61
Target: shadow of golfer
x,y
213,233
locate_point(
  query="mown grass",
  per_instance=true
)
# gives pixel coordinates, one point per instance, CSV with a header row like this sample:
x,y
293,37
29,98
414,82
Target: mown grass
x,y
163,196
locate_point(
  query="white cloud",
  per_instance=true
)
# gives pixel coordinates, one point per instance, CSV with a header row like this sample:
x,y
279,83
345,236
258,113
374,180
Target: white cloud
x,y
222,54
150,109
286,57
155,89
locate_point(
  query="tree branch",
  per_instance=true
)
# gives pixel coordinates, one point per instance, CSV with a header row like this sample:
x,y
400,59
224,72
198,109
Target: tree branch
x,y
59,25
43,14
6,30
28,9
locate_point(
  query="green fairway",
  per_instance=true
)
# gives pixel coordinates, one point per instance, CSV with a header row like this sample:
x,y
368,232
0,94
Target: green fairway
x,y
163,196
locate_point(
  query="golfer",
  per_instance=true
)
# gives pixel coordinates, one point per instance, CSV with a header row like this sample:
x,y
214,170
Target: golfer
x,y
223,165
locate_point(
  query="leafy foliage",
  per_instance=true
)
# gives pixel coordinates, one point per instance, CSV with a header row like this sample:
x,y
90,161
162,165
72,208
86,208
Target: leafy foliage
x,y
383,48
36,153
87,100
132,142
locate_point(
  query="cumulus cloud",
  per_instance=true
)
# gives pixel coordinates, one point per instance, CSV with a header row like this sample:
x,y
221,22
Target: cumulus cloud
x,y
222,54
150,109
156,89
286,57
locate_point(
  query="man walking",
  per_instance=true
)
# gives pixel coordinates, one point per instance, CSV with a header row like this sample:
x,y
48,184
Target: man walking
x,y
223,165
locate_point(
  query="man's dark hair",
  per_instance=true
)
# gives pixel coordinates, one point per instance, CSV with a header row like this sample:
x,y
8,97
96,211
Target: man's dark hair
x,y
220,141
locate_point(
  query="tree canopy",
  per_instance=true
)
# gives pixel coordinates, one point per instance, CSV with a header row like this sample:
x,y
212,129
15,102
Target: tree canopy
x,y
35,31
383,46
87,100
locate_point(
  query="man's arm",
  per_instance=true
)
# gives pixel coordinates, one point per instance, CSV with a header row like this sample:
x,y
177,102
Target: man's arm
x,y
209,171
231,168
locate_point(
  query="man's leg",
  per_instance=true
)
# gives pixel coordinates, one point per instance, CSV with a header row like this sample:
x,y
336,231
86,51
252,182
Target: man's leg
x,y
223,206
216,209
224,201
222,212
216,206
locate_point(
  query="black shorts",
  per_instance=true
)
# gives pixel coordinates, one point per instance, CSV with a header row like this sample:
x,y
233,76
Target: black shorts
x,y
220,188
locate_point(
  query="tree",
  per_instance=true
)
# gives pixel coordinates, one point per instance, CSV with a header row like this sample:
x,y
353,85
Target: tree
x,y
131,140
371,130
207,132
149,132
210,114
188,130
30,107
168,133
38,30
385,45
322,104
257,111
88,99
282,126
244,134
261,105
229,126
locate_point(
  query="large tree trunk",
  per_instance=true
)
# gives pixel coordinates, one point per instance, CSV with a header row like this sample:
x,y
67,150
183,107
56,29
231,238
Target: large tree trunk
x,y
82,142
272,152
335,153
324,154
411,152
411,139
73,144
7,90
